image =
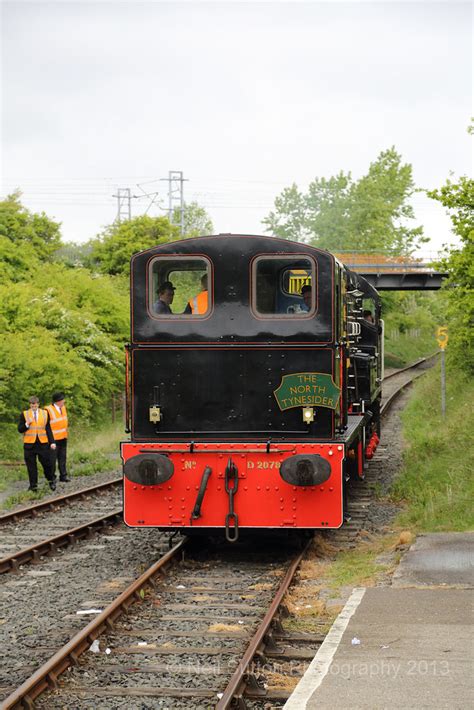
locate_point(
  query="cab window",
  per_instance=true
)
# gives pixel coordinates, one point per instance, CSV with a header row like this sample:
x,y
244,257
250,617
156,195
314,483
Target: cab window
x,y
179,287
284,286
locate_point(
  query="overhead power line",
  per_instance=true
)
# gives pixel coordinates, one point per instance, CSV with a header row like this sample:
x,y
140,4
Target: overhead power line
x,y
176,182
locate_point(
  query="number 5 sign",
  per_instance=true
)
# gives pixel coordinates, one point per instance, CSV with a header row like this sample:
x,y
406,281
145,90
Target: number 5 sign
x,y
442,336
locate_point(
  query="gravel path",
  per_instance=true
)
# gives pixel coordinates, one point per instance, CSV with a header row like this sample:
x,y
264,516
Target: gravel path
x,y
384,468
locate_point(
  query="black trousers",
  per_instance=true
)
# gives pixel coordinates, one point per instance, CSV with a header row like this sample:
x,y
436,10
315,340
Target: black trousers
x,y
43,453
60,458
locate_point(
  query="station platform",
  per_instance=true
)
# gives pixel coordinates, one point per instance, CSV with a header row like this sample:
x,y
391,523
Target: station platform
x,y
409,645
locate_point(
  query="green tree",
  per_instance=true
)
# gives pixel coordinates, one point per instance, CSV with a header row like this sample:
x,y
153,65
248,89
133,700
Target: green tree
x,y
380,210
341,214
290,219
74,254
328,210
26,239
111,251
197,222
458,198
62,328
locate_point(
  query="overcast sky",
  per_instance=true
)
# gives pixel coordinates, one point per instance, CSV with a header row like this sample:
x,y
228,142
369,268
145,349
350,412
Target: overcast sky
x,y
244,98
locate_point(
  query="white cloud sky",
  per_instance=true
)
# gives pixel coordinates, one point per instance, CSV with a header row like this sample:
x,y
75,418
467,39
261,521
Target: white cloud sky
x,y
245,98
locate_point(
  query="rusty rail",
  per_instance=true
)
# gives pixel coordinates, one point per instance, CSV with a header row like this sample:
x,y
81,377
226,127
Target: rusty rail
x,y
52,503
387,405
51,544
417,363
236,686
47,675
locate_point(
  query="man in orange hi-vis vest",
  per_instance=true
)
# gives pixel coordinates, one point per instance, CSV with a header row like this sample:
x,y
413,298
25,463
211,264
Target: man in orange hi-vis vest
x,y
38,442
199,304
59,426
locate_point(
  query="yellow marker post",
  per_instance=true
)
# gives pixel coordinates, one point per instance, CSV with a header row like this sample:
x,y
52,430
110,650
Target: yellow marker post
x,y
442,338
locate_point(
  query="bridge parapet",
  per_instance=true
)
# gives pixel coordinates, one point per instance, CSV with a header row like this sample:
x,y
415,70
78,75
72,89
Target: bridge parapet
x,y
388,272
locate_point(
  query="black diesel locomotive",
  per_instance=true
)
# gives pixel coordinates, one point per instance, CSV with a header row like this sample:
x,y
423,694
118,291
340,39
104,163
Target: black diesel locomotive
x,y
255,370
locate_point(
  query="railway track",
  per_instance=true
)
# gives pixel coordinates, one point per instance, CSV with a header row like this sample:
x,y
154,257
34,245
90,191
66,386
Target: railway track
x,y
395,383
53,504
188,639
41,529
201,637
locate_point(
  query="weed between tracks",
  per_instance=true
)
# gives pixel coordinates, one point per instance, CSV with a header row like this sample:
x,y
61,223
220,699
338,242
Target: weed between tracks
x,y
225,628
326,578
261,586
278,680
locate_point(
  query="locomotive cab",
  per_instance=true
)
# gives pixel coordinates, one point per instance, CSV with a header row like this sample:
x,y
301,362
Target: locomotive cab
x,y
238,392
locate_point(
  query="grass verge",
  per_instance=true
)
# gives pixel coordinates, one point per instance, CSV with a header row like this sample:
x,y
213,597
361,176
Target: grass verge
x,y
436,482
405,349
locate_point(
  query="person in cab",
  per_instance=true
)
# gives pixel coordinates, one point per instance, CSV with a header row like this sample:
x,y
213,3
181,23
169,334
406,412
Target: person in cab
x,y
165,298
38,443
199,304
306,295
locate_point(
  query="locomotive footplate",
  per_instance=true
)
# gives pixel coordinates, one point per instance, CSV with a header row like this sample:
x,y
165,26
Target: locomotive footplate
x,y
355,422
233,486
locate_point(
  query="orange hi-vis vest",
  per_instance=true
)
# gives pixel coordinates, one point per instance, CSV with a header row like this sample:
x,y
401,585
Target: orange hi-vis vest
x,y
35,428
199,303
58,422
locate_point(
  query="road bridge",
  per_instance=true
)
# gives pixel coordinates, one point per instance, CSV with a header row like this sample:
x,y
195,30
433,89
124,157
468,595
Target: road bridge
x,y
396,273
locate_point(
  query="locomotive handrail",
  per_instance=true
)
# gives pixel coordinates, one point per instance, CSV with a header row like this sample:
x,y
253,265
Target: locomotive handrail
x,y
239,432
224,450
127,388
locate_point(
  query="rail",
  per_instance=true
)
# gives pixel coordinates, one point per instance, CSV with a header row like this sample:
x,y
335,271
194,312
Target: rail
x,y
46,676
417,363
379,261
58,501
236,686
51,544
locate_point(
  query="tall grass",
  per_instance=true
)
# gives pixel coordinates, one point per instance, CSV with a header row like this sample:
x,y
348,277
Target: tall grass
x,y
436,482
105,440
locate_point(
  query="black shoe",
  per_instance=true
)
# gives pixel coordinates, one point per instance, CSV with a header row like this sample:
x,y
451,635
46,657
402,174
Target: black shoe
x,y
65,480
52,485
33,489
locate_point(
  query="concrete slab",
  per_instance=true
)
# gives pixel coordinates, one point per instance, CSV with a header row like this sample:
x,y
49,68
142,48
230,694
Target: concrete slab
x,y
415,651
406,646
438,558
